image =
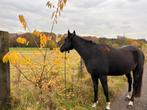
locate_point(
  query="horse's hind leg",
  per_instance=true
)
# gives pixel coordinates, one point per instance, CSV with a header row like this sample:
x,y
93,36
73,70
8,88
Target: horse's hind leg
x,y
137,83
104,83
131,102
129,78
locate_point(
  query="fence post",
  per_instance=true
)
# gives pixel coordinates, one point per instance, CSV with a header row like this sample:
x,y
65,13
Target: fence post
x,y
81,68
4,72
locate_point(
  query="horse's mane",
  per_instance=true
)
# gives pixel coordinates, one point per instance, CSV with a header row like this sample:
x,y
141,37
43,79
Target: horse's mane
x,y
93,43
87,41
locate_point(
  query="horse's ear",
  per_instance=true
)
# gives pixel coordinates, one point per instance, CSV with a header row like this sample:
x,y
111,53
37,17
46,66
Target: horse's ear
x,y
68,32
74,32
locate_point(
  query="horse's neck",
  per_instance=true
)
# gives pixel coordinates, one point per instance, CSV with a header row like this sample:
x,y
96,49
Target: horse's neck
x,y
81,47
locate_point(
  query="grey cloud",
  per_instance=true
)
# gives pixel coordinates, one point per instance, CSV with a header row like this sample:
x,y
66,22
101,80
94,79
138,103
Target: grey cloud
x,y
96,17
134,1
88,3
34,11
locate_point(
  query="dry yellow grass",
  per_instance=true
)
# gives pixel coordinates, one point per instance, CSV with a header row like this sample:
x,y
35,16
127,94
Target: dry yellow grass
x,y
25,96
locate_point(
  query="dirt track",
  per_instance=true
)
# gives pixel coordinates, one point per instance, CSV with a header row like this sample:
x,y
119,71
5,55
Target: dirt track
x,y
139,104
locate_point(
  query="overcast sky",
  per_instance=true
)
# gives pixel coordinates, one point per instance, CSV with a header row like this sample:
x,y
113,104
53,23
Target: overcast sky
x,y
87,17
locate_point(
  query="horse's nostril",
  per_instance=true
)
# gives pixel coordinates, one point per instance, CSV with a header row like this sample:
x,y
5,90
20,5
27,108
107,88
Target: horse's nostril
x,y
61,49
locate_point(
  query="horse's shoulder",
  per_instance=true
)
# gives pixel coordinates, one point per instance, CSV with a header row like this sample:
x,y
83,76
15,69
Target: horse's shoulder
x,y
104,48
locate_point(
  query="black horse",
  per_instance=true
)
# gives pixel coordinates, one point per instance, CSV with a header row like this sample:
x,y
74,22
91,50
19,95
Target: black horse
x,y
102,61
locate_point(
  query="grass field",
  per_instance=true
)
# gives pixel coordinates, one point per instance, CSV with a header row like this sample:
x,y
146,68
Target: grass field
x,y
79,91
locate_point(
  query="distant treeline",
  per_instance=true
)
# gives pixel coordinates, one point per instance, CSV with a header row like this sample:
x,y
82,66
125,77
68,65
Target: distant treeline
x,y
35,41
117,42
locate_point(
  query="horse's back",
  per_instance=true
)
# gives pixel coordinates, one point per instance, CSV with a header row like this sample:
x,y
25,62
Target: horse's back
x,y
128,48
135,51
122,60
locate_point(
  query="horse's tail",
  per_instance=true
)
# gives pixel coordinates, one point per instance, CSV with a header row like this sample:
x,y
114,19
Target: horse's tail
x,y
138,73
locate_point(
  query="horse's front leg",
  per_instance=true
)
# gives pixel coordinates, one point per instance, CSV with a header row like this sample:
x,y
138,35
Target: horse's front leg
x,y
104,83
95,86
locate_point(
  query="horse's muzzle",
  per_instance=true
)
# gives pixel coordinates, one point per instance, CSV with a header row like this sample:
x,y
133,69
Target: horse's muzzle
x,y
61,50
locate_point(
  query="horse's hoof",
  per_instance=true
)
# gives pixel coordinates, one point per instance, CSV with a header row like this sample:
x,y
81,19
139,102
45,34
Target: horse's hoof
x,y
127,98
94,104
130,105
108,106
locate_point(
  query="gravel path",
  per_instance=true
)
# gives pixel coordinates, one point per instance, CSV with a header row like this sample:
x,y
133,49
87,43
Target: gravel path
x,y
140,103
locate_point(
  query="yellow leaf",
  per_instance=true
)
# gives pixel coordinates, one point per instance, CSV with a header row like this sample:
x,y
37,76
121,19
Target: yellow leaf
x,y
36,33
12,57
61,6
58,39
23,22
49,4
21,40
64,1
6,58
43,40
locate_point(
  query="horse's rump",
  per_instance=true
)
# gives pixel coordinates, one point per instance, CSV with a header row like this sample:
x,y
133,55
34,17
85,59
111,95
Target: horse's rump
x,y
122,60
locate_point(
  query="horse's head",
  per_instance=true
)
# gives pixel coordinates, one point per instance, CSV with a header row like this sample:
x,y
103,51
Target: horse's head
x,y
67,45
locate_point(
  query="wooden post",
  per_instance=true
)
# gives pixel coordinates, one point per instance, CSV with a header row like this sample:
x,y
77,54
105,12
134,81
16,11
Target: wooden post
x,y
4,72
80,69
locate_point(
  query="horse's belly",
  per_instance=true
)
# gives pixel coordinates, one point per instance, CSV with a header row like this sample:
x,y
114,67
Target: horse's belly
x,y
121,69
116,73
